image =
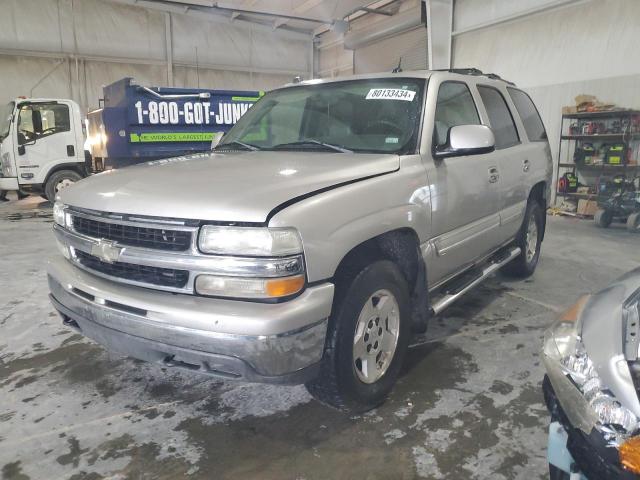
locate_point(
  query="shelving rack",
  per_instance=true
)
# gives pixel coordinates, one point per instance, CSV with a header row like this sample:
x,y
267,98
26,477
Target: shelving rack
x,y
628,134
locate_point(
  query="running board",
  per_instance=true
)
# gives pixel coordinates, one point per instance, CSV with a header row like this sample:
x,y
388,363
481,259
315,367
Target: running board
x,y
451,296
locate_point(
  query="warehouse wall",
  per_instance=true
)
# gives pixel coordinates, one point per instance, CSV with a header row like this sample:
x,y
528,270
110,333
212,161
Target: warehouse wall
x,y
380,55
586,48
70,48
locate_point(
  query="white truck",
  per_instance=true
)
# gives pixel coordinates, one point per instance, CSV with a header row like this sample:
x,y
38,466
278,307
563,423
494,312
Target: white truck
x,y
41,146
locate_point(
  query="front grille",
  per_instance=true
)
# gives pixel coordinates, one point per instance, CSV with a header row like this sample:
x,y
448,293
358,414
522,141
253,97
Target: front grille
x,y
134,236
163,277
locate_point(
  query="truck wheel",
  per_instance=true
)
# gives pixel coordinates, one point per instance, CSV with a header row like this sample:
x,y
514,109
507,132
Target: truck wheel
x,y
603,218
529,240
58,181
367,340
633,223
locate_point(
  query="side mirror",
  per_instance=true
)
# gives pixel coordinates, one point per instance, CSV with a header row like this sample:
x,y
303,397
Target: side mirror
x,y
467,140
21,150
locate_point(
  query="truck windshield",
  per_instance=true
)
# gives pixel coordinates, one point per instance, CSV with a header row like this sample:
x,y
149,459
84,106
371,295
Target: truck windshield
x,y
374,115
5,119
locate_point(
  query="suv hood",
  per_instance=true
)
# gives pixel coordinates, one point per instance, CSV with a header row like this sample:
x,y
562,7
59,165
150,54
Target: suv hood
x,y
228,187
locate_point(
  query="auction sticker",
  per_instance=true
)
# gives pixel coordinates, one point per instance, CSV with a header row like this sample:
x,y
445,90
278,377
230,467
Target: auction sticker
x,y
390,94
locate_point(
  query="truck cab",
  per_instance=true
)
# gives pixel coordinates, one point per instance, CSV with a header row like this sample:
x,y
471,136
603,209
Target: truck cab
x,y
41,146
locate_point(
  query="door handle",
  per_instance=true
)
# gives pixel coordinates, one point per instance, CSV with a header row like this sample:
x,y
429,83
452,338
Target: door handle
x,y
525,165
493,175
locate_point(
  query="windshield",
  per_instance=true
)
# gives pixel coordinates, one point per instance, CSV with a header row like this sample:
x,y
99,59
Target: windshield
x,y
374,115
5,119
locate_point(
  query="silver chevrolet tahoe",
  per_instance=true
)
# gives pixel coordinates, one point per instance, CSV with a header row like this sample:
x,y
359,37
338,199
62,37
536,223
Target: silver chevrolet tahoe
x,y
324,229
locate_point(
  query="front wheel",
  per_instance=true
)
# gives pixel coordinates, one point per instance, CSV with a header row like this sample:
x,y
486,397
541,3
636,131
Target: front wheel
x,y
58,181
633,223
529,240
603,218
367,340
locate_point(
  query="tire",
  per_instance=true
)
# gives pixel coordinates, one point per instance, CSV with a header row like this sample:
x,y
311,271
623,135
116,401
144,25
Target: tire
x,y
556,474
345,382
603,218
633,223
59,180
533,224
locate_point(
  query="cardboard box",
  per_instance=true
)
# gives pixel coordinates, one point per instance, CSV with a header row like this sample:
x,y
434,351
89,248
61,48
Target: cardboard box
x,y
587,207
569,110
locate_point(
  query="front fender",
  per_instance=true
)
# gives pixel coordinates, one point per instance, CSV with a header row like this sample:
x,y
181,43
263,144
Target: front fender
x,y
334,222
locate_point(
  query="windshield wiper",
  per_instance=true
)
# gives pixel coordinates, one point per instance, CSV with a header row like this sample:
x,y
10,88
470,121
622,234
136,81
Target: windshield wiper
x,y
235,143
311,141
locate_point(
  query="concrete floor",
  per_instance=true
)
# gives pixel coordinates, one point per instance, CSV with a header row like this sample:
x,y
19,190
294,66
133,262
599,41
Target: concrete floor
x,y
469,404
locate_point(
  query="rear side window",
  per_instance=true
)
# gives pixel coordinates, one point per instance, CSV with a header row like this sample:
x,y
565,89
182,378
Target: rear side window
x,y
455,106
530,118
500,117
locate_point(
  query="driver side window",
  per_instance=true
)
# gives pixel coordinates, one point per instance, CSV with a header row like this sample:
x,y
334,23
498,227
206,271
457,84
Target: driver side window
x,y
455,106
41,120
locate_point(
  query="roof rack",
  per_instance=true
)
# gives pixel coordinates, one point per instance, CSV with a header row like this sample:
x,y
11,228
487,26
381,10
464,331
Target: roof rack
x,y
475,72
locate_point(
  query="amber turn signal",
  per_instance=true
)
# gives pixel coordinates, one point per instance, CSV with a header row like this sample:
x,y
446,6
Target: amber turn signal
x,y
630,454
573,312
282,287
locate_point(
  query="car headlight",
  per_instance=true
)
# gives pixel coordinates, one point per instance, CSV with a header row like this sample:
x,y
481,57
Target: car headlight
x,y
59,214
566,354
249,241
272,262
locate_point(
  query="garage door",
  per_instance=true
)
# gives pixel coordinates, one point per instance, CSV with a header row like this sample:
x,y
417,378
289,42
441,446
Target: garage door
x,y
383,56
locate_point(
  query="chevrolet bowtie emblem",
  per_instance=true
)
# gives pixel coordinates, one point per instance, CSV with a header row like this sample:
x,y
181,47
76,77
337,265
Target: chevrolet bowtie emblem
x,y
106,250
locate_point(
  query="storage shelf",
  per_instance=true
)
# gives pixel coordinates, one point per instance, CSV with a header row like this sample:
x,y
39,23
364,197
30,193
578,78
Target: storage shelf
x,y
598,166
603,114
601,136
586,196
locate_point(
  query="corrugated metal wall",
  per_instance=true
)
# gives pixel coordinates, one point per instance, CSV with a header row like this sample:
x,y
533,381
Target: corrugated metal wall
x,y
588,48
80,45
379,55
383,56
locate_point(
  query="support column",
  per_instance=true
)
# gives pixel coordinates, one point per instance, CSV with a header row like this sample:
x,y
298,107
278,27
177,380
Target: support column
x,y
168,36
439,26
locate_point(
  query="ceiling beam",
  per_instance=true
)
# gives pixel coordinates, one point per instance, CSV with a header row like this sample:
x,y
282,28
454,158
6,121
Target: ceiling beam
x,y
300,9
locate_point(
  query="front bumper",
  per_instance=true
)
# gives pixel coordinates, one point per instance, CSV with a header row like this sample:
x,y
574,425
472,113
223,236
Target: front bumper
x,y
593,457
275,343
9,183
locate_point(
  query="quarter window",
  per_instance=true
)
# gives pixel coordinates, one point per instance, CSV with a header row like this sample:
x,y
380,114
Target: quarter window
x,y
455,106
500,117
529,114
39,120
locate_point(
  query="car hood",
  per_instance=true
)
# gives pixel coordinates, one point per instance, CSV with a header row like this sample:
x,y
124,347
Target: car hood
x,y
228,187
604,332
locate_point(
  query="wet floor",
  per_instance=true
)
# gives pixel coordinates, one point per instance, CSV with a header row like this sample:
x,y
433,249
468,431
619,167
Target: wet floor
x,y
469,404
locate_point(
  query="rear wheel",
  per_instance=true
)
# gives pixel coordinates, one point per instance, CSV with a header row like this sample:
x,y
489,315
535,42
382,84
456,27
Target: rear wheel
x,y
367,340
603,218
633,223
59,181
529,240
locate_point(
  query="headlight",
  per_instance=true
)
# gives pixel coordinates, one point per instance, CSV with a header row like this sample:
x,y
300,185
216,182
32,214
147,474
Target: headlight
x,y
59,214
7,166
249,241
564,348
272,262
